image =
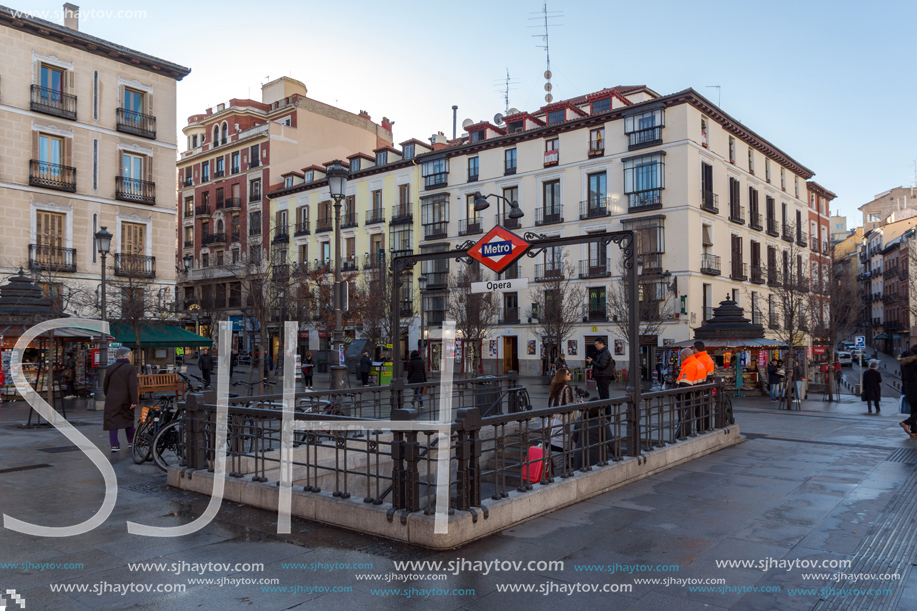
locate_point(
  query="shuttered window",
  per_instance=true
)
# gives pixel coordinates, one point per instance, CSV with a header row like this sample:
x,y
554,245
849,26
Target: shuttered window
x,y
49,229
133,238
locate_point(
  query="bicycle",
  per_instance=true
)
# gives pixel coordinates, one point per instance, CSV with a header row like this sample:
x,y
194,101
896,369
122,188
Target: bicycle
x,y
158,419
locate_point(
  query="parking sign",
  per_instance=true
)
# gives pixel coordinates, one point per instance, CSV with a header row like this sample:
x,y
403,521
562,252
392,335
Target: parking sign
x,y
860,341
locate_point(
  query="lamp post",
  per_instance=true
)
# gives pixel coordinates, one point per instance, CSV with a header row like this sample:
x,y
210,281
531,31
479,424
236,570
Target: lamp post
x,y
481,203
103,246
422,343
337,184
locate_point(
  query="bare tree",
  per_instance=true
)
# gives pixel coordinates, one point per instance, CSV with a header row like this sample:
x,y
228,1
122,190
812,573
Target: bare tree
x,y
474,313
834,312
376,285
655,302
557,306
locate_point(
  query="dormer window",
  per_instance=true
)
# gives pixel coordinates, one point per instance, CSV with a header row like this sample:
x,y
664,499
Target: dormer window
x,y
557,116
287,181
477,136
515,127
355,165
601,106
381,157
408,151
310,176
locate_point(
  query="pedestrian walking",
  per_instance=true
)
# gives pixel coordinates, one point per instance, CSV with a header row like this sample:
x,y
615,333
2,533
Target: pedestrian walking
x,y
121,397
308,370
773,379
560,363
872,387
70,375
603,367
366,365
560,393
417,373
908,362
205,363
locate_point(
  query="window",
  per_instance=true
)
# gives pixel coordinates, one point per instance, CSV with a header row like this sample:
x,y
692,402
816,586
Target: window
x,y
511,194
287,181
708,197
310,176
551,196
644,180
205,262
751,161
381,157
601,106
783,179
220,169
254,159
407,152
644,129
874,217
355,164
767,169
50,240
254,223
597,140
557,116
551,152
225,135
704,133
189,207
509,161
597,305
377,200
95,95
52,80
216,136
479,135
472,169
95,164
435,173
796,185
205,171
95,228
401,238
732,150
133,238
254,190
50,151
205,200
515,127
194,141
235,169
254,254
205,229
595,198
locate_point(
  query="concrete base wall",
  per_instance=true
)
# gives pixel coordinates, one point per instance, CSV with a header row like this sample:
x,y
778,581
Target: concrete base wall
x,y
464,527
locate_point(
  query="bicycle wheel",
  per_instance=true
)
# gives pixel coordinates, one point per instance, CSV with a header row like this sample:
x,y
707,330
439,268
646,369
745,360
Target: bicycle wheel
x,y
143,443
169,446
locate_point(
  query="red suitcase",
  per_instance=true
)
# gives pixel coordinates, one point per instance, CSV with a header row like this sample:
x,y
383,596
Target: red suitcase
x,y
536,464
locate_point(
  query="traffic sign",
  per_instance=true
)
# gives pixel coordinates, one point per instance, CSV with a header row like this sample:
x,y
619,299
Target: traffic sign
x,y
499,249
860,341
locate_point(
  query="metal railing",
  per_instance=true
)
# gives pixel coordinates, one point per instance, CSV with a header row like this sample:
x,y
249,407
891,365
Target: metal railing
x,y
757,274
53,102
52,258
710,264
754,220
435,230
773,321
509,316
644,137
802,238
137,123
600,315
773,276
401,213
434,181
348,220
135,190
652,262
135,266
593,208
301,228
214,238
595,268
739,270
644,199
549,216
470,226
281,234
596,147
202,210
709,201
772,227
504,220
232,203
325,223
550,271
52,176
737,213
375,215
787,235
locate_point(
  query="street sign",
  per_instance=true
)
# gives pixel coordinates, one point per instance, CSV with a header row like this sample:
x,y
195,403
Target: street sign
x,y
499,249
498,286
860,341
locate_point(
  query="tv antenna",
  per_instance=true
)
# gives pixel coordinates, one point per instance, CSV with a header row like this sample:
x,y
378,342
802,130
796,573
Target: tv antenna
x,y
718,88
545,17
505,86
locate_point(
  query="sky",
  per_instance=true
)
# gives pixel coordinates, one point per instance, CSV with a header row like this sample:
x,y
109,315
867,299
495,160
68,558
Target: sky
x,y
829,83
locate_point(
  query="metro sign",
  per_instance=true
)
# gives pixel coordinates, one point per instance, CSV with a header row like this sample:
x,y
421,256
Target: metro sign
x,y
499,249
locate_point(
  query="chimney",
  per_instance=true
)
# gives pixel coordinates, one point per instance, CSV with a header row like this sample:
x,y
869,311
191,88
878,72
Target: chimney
x,y
439,141
72,17
454,119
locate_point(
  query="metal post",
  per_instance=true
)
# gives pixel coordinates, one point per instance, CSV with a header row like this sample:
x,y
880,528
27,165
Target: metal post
x,y
98,393
634,339
338,371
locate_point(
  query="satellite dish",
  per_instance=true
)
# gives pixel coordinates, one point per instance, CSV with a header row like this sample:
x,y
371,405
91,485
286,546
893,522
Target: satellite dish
x,y
512,111
548,86
548,98
466,123
498,119
547,74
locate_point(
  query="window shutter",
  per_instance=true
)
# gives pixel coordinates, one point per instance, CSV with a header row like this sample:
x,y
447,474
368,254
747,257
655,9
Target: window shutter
x,y
148,109
70,83
707,241
67,152
35,136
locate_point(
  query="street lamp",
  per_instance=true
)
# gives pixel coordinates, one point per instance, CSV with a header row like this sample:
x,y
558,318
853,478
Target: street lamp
x,y
481,203
103,247
337,184
422,343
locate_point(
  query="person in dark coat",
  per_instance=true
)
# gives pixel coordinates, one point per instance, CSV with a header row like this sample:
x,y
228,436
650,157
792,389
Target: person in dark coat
x,y
205,362
908,363
602,367
233,361
872,386
121,397
417,373
773,379
366,365
70,375
308,369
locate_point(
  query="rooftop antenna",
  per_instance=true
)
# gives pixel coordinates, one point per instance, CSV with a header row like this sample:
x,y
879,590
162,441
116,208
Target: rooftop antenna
x,y
506,85
545,17
717,87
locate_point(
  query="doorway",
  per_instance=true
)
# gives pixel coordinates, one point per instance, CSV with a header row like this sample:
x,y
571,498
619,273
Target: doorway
x,y
647,356
510,353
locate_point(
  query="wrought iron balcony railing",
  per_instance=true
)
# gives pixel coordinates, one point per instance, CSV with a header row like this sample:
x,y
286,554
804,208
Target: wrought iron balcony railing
x,y
52,176
136,123
53,102
135,266
135,190
52,258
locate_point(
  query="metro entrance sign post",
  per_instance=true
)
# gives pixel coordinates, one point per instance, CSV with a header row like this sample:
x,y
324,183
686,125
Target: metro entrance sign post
x,y
499,249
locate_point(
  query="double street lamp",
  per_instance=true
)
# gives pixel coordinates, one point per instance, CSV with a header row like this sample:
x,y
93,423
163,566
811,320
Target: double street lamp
x,y
103,247
337,183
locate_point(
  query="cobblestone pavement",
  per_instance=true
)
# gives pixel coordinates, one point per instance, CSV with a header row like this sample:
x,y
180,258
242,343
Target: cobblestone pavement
x,y
828,485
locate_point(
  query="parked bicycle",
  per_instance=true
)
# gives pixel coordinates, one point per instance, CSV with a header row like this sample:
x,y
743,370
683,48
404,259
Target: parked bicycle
x,y
153,419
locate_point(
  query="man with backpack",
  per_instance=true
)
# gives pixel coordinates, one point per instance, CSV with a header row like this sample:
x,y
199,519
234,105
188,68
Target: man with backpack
x,y
603,368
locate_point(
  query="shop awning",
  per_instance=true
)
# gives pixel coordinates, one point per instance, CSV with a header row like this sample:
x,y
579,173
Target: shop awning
x,y
158,336
880,336
734,342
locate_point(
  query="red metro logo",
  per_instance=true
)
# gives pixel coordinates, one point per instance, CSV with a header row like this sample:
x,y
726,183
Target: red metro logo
x,y
499,249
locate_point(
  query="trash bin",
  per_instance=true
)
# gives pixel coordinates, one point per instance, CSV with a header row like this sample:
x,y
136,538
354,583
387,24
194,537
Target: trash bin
x,y
487,396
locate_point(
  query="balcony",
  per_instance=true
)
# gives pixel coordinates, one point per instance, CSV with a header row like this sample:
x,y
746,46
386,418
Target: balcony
x,y
890,272
644,200
325,223
876,322
52,176
549,216
53,102
593,208
472,176
220,202
349,266
708,313
773,277
52,258
402,214
135,190
254,197
652,263
739,271
281,235
737,214
219,174
902,275
595,268
435,231
599,315
756,317
202,210
407,309
709,201
644,137
710,264
890,298
547,272
233,203
509,316
773,228
402,252
802,238
773,321
505,221
551,157
754,221
437,280
135,266
596,148
814,244
375,215
470,226
435,181
189,243
757,274
213,239
349,220
509,169
235,237
254,163
787,234
188,182
893,325
136,123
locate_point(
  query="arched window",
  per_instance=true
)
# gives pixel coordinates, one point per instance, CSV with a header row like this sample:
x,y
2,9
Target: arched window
x,y
216,135
225,133
220,226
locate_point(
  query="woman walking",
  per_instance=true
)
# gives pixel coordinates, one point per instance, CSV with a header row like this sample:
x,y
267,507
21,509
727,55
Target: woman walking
x,y
308,368
560,393
121,397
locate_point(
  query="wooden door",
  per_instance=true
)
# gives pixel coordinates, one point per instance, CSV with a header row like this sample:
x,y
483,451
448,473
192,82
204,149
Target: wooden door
x,y
133,239
510,354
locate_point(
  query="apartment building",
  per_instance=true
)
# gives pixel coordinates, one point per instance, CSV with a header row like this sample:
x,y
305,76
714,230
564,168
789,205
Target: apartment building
x,y
838,229
898,293
237,152
89,142
820,247
888,207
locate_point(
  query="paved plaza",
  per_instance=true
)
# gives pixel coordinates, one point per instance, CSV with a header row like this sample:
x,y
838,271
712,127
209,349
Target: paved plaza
x,y
828,484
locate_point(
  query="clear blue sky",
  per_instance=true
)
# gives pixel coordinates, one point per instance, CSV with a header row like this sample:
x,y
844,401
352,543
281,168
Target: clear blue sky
x,y
830,83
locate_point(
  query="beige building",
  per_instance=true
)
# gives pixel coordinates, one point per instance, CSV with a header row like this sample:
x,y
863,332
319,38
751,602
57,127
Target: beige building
x,y
891,206
88,142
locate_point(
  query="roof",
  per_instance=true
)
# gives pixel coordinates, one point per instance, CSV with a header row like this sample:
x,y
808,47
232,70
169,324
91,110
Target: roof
x,y
158,336
360,155
91,44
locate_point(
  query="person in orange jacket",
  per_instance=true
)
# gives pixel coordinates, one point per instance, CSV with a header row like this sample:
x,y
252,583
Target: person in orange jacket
x,y
700,353
687,377
692,370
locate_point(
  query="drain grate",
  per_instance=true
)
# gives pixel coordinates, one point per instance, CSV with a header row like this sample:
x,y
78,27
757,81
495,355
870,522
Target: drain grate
x,y
906,455
60,449
25,468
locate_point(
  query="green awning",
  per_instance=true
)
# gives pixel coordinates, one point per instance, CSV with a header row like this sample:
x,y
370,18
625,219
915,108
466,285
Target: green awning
x,y
158,336
881,336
